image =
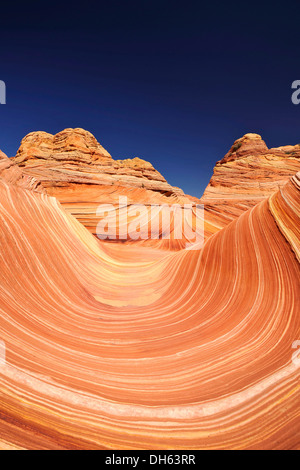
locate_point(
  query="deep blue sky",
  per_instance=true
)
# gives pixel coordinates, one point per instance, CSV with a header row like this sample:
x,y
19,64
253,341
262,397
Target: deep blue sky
x,y
175,85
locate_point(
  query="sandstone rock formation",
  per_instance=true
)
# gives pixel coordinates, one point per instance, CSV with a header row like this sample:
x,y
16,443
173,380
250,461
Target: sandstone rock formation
x,y
73,167
130,346
11,173
247,174
74,157
126,347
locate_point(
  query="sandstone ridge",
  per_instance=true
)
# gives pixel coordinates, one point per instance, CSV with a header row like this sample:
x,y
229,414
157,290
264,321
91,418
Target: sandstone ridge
x,y
74,156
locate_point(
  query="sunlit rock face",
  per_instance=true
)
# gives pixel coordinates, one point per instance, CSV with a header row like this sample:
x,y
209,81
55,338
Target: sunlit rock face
x,y
11,173
73,167
113,346
247,174
74,157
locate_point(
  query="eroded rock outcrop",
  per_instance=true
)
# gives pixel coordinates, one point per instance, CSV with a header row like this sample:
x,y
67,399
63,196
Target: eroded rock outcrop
x,y
11,173
74,156
134,347
249,173
73,167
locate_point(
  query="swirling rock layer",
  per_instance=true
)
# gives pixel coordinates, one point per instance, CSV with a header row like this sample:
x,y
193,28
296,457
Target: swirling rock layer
x,y
133,347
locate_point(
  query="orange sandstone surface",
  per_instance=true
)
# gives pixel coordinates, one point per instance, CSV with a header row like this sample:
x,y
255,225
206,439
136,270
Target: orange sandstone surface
x,y
247,174
73,167
130,346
